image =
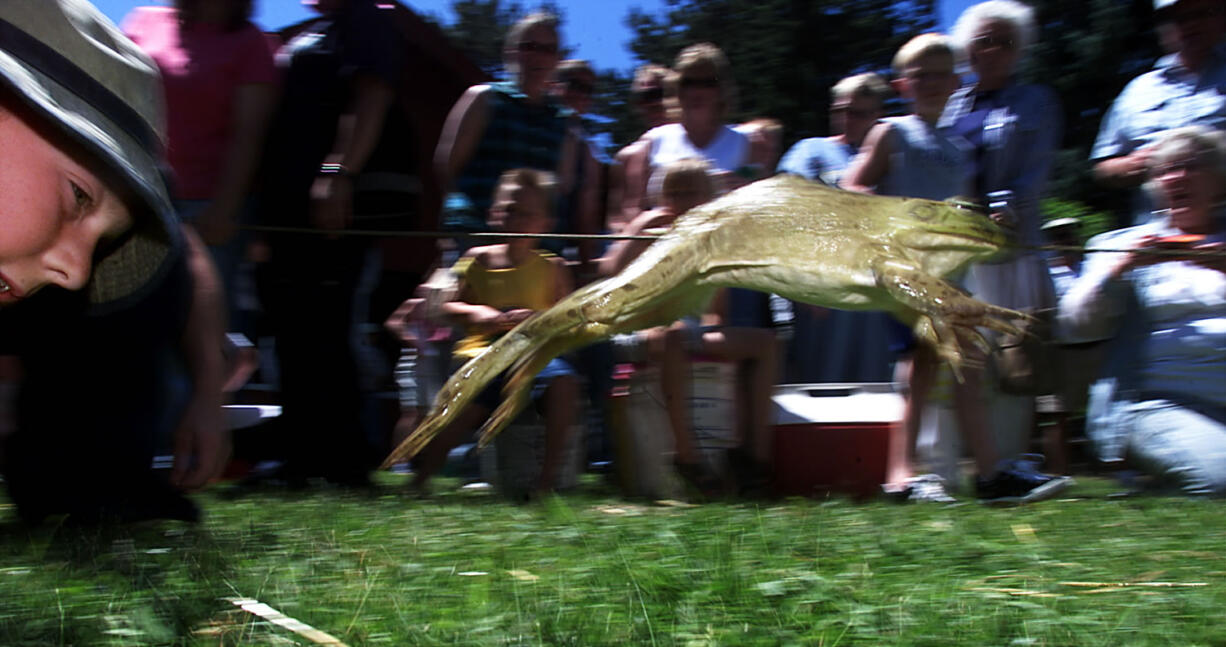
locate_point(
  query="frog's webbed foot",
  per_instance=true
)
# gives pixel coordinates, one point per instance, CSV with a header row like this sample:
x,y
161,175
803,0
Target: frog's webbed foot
x,y
944,313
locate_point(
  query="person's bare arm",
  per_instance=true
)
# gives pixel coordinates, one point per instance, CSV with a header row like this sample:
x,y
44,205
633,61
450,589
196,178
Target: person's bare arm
x,y
623,252
613,195
562,283
873,162
717,311
464,308
589,216
201,441
253,104
397,323
357,134
10,381
1125,171
462,131
636,158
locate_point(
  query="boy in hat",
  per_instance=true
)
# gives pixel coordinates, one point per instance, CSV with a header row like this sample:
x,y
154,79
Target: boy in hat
x,y
86,209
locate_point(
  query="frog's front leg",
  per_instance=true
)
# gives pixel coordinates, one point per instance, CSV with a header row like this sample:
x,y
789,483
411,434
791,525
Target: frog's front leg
x,y
942,310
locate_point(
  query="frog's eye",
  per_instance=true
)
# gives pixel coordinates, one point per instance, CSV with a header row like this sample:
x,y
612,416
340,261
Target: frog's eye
x,y
923,210
966,204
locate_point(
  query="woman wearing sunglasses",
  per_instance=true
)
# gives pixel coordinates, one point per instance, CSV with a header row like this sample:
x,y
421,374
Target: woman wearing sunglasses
x,y
702,94
496,127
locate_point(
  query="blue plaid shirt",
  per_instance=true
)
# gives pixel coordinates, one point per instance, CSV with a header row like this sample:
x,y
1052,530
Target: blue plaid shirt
x,y
1169,96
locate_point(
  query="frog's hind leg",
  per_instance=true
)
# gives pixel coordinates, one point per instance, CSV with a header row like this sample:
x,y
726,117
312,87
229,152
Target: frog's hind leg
x,y
516,392
461,389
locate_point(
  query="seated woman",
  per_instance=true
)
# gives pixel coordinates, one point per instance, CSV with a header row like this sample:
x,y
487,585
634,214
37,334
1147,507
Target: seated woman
x,y
687,184
1161,404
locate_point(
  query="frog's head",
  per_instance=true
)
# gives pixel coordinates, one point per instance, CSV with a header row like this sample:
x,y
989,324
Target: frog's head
x,y
945,235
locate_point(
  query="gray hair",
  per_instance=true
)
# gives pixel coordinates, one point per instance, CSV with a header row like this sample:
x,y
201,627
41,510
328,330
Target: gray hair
x,y
1206,146
1019,16
867,84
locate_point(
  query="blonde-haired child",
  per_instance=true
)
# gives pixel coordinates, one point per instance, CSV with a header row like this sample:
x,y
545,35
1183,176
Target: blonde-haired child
x,y
910,156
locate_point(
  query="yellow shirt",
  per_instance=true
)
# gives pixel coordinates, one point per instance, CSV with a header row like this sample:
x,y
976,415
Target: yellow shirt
x,y
528,285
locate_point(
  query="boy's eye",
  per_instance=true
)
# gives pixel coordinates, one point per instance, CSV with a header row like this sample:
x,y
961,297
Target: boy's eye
x,y
80,198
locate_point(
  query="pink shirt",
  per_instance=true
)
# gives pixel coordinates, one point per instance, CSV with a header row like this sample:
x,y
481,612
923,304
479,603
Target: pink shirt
x,y
201,71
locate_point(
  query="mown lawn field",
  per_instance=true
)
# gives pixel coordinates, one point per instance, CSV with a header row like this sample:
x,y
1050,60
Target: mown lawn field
x,y
590,568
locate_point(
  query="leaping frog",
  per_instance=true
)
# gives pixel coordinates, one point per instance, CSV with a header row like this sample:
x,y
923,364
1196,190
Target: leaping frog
x,y
787,235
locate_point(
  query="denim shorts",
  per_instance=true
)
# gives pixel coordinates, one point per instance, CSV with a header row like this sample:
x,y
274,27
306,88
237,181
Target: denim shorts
x,y
491,397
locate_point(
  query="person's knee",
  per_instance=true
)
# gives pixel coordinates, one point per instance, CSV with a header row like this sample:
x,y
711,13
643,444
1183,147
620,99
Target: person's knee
x,y
1197,480
1182,448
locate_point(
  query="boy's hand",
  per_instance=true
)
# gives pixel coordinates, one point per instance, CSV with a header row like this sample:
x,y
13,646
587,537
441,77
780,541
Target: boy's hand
x,y
201,444
512,318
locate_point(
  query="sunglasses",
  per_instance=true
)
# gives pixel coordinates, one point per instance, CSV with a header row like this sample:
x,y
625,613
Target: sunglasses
x,y
927,77
579,85
992,42
709,83
1178,168
650,95
540,48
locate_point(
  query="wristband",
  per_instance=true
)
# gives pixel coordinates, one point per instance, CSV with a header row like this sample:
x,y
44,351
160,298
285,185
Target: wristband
x,y
334,168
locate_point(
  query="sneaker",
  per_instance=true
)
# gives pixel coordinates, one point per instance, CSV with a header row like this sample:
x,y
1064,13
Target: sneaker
x,y
1019,481
925,488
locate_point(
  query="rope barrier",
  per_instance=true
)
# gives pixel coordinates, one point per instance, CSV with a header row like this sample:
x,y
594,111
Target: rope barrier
x,y
374,233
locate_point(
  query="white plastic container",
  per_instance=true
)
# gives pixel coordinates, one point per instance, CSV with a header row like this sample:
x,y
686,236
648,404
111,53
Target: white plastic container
x,y
643,436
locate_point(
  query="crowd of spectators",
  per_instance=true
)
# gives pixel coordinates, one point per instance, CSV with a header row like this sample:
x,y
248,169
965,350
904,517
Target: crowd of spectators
x,y
305,134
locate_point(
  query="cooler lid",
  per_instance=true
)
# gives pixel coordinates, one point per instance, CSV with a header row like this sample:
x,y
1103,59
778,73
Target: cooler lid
x,y
795,404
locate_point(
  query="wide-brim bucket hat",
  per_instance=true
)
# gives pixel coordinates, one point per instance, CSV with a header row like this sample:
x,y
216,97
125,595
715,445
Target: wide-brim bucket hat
x,y
72,65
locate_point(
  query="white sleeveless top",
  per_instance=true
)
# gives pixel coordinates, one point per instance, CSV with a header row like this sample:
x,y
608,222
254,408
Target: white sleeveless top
x,y
728,151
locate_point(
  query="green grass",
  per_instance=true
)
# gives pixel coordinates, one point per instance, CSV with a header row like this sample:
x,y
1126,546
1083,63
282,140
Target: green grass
x,y
592,569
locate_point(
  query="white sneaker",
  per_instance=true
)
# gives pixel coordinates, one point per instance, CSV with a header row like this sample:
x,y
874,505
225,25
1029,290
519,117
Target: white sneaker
x,y
925,488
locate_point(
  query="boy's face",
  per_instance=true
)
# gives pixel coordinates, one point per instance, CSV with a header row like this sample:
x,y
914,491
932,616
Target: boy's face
x,y
576,92
54,212
684,198
928,83
854,116
519,210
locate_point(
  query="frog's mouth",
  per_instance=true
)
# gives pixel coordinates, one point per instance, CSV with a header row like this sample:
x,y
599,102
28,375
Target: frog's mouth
x,y
977,240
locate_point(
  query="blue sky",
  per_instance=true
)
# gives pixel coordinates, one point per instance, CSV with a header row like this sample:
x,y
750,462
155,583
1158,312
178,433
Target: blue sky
x,y
594,28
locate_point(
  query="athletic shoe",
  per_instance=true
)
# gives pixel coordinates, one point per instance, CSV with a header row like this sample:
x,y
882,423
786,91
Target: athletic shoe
x,y
1019,481
925,488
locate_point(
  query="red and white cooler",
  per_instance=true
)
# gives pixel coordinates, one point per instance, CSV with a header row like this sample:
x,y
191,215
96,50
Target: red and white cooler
x,y
833,438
